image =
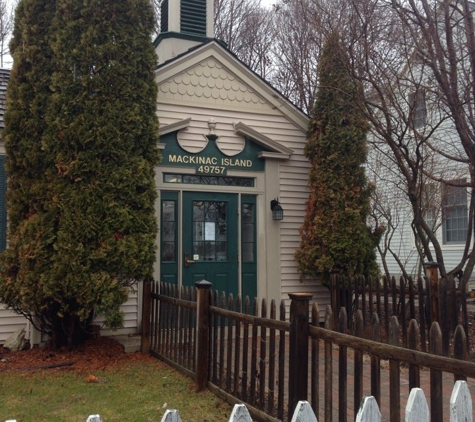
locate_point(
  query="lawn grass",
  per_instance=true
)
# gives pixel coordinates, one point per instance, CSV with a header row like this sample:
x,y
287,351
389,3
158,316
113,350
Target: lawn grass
x,y
136,392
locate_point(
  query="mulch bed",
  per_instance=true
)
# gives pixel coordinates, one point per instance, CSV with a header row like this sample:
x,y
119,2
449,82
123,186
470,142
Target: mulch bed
x,y
96,354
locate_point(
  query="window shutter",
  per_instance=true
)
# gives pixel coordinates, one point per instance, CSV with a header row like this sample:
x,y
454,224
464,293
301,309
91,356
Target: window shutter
x,y
164,16
193,17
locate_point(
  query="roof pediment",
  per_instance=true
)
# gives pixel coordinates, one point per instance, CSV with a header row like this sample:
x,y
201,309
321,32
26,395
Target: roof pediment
x,y
269,148
211,76
209,82
274,149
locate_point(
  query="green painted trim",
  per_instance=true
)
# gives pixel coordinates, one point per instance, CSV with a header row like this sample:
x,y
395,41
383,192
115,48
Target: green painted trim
x,y
193,17
211,161
182,36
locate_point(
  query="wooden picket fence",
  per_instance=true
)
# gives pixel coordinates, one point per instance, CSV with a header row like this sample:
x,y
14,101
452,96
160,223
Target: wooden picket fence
x,y
426,299
270,360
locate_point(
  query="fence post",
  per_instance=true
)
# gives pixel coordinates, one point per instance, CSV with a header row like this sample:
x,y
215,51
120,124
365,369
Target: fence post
x,y
146,306
298,353
202,332
335,294
432,273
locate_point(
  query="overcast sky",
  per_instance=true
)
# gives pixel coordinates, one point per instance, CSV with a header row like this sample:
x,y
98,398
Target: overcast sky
x,y
7,61
267,3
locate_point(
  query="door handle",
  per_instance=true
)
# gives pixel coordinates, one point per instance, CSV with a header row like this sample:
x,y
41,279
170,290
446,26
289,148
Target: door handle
x,y
188,261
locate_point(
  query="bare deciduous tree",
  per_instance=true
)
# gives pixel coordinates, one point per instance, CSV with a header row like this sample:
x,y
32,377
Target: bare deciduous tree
x,y
248,31
296,51
417,61
7,16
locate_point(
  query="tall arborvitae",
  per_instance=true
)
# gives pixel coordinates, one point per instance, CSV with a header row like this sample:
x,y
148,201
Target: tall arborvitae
x,y
28,96
94,231
334,233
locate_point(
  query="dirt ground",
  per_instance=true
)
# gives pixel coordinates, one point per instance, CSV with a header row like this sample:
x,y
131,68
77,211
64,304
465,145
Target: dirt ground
x,y
95,354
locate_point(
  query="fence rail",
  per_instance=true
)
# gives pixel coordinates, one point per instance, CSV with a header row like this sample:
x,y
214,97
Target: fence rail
x,y
250,354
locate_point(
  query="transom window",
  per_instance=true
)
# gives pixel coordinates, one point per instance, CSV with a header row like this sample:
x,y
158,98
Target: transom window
x,y
196,179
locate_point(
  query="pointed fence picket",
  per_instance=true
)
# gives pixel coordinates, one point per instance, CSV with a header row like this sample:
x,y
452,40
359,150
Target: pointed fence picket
x,y
417,409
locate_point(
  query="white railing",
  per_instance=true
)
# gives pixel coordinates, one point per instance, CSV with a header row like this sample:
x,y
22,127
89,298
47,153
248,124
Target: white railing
x,y
417,409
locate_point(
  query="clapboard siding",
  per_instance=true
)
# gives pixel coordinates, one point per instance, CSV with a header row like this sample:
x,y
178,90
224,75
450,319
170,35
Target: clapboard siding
x,y
180,97
288,133
403,244
9,323
131,316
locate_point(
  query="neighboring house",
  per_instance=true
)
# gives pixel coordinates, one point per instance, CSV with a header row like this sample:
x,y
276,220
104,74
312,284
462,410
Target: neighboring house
x,y
446,212
231,145
420,118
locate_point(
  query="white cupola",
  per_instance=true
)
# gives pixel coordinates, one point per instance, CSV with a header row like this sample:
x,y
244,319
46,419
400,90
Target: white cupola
x,y
183,25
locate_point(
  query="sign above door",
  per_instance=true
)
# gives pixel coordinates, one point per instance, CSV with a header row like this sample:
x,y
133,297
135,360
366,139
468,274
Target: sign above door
x,y
211,160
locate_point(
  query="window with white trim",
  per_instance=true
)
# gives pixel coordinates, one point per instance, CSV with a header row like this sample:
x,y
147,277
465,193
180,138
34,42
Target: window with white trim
x,y
454,212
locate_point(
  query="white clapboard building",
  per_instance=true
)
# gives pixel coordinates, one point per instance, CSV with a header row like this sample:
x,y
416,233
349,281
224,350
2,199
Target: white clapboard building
x,y
231,145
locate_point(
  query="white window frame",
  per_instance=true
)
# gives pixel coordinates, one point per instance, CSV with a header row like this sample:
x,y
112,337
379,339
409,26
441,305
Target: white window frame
x,y
454,213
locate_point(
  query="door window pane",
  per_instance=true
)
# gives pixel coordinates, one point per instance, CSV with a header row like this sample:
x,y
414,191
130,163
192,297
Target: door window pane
x,y
210,251
168,252
248,229
210,230
198,231
222,232
198,211
198,249
168,232
221,252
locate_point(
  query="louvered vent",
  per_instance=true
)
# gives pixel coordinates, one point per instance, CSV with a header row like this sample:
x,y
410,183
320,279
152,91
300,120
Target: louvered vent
x,y
193,17
164,16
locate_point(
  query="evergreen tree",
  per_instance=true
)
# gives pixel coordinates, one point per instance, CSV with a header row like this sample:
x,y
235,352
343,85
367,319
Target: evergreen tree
x,y
91,232
334,233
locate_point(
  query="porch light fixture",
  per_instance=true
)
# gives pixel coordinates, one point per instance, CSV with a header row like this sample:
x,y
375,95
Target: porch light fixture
x,y
277,211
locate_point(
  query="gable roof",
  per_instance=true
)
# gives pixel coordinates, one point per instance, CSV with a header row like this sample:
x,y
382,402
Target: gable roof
x,y
215,49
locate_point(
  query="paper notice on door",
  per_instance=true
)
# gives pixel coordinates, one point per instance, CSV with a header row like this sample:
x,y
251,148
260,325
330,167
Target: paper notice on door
x,y
210,231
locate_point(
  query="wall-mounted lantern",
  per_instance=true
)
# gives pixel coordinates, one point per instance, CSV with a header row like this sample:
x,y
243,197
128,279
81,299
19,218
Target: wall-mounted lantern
x,y
277,211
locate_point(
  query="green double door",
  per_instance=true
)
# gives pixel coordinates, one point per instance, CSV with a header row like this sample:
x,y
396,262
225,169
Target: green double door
x,y
215,240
